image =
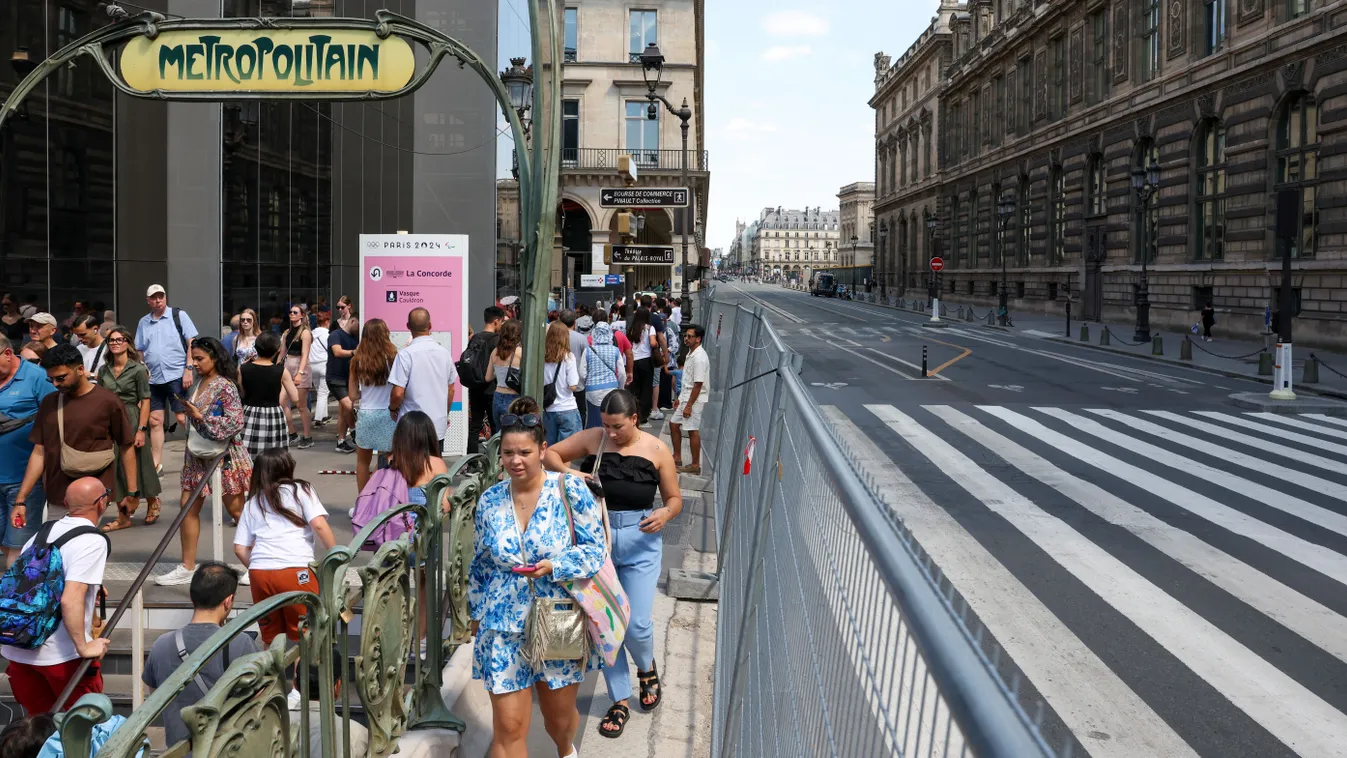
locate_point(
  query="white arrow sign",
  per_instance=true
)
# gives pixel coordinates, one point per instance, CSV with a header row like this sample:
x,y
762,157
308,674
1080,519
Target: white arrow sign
x,y
1124,390
830,385
1011,387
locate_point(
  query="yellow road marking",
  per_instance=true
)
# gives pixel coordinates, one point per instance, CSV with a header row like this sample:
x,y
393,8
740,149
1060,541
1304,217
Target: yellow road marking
x,y
967,351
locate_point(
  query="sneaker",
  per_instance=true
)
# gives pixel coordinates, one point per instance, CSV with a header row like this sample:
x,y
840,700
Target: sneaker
x,y
646,425
351,513
305,443
243,576
293,438
177,577
345,446
657,416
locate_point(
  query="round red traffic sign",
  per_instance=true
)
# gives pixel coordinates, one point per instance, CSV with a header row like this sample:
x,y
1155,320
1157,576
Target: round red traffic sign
x,y
937,264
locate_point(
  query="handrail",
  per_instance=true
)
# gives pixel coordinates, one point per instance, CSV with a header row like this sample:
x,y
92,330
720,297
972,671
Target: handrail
x,y
144,574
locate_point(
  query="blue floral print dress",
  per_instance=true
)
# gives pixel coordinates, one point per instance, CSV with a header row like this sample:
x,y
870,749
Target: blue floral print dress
x,y
500,599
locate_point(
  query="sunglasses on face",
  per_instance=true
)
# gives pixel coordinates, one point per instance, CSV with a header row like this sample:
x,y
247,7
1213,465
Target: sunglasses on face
x,y
116,340
528,420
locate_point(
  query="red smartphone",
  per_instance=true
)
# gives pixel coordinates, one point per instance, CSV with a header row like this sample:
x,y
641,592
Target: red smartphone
x,y
19,521
524,569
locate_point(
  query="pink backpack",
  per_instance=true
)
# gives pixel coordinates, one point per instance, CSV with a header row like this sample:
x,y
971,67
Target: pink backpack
x,y
384,491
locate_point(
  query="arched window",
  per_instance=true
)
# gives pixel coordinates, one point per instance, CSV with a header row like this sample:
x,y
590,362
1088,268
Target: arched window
x,y
1026,209
1297,147
972,230
1057,208
1098,185
1209,219
1144,231
953,228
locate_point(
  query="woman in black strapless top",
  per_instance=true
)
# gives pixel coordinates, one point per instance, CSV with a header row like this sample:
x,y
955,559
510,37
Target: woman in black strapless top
x,y
635,466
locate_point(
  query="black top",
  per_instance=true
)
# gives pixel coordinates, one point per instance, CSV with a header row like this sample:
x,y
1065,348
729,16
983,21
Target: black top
x,y
294,343
339,369
16,333
261,384
630,482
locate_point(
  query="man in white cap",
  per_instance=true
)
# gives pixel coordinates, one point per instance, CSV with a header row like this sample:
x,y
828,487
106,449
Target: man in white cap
x,y
162,337
42,328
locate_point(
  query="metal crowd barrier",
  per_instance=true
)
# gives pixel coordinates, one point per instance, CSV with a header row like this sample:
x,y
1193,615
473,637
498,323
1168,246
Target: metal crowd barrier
x,y
835,637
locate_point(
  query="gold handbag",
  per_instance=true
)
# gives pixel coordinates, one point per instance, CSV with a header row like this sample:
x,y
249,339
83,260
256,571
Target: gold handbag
x,y
79,462
556,629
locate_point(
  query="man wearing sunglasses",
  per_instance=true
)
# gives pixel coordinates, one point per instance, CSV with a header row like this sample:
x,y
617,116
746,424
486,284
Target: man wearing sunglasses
x,y
22,387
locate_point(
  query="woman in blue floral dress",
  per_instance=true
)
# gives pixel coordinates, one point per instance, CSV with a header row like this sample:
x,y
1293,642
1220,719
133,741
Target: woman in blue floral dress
x,y
522,522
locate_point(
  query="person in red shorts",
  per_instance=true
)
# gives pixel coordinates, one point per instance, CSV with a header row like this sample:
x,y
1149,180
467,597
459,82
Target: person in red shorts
x,y
38,676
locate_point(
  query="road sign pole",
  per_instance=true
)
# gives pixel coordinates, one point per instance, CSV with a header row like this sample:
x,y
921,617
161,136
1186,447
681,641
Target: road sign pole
x,y
937,265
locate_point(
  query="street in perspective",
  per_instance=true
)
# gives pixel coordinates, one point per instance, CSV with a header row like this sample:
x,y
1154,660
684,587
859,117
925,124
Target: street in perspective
x,y
385,379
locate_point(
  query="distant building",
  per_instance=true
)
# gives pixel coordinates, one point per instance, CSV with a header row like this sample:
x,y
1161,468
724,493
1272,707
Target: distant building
x,y
856,223
794,243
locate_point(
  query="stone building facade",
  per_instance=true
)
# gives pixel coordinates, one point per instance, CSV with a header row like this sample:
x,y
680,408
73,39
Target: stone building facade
x,y
1051,107
791,244
856,219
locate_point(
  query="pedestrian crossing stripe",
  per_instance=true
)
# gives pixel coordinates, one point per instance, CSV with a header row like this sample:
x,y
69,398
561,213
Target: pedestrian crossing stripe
x,y
1192,493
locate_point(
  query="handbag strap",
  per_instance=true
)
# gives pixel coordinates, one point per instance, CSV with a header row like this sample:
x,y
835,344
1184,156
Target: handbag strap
x,y
60,418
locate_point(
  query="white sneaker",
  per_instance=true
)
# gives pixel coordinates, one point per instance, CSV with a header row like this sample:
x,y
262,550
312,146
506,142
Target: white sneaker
x,y
656,415
243,576
178,576
351,513
294,700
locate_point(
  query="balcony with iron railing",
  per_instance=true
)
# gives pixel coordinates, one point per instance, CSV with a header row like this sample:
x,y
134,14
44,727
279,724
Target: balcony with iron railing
x,y
605,159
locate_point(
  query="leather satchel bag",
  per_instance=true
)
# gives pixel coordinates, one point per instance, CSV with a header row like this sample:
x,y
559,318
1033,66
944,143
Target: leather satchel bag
x,y
79,462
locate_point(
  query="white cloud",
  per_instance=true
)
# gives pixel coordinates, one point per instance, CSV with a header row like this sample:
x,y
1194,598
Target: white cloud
x,y
795,24
785,53
741,125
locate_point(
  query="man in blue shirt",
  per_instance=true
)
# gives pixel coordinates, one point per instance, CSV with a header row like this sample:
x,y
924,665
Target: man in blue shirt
x,y
22,387
162,338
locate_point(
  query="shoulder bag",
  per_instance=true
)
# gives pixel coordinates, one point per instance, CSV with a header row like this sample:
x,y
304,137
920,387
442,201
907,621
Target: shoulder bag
x,y
550,390
556,627
604,602
513,379
78,462
198,444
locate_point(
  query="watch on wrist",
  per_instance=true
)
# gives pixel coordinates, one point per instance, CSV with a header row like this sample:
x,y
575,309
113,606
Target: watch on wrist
x,y
20,504
133,494
145,428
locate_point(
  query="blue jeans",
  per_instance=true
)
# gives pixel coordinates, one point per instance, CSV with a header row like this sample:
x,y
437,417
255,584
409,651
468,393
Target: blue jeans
x,y
560,425
500,405
36,502
638,558
593,418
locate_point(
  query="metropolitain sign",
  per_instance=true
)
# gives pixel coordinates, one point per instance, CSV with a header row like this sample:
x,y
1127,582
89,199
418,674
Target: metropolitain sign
x,y
279,61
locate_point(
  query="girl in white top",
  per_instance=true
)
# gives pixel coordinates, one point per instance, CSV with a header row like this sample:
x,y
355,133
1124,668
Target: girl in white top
x,y
275,538
371,366
561,419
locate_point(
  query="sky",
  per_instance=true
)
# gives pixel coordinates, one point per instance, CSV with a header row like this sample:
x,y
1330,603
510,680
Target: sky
x,y
787,87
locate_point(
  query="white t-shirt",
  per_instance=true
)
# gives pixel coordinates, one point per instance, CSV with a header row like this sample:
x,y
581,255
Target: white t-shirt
x,y
696,368
676,315
276,542
641,348
84,559
375,397
94,357
570,375
318,348
425,369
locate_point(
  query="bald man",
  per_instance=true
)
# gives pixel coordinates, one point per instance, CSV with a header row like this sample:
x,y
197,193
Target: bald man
x,y
423,376
38,676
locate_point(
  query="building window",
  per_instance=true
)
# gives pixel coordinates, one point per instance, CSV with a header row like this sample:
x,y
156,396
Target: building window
x,y
954,230
644,31
1057,224
975,230
67,31
1213,18
1097,185
926,153
1058,104
1210,217
572,51
1298,165
570,131
975,104
902,164
1026,210
1099,76
1145,231
642,134
1026,104
1297,8
1148,57
999,87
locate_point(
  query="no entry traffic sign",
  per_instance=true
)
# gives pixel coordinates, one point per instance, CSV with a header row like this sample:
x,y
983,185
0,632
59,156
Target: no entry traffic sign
x,y
937,263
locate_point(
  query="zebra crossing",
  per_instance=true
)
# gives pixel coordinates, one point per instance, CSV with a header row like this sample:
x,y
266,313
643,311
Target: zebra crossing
x,y
1172,584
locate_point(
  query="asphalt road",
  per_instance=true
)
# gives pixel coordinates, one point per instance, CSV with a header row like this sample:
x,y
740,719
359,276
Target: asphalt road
x,y
1169,572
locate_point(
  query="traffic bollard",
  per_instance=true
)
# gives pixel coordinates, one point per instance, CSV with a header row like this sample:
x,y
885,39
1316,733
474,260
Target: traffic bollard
x,y
1265,364
924,374
1186,349
1311,375
1157,345
1104,337
1084,332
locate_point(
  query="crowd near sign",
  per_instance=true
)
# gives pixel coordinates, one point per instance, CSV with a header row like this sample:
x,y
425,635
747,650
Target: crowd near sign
x,y
400,272
277,61
643,255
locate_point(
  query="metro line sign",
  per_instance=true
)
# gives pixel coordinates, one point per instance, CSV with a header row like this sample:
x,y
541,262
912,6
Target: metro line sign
x,y
643,197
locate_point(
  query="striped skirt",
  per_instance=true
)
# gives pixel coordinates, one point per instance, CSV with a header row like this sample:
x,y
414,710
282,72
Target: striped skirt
x,y
264,428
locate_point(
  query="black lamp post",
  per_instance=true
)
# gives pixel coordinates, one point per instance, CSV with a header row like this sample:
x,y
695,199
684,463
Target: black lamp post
x,y
652,60
883,252
854,241
1005,208
1145,182
934,248
518,80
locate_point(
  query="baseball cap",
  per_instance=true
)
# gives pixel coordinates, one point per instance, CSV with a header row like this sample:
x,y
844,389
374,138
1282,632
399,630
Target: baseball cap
x,y
43,318
155,289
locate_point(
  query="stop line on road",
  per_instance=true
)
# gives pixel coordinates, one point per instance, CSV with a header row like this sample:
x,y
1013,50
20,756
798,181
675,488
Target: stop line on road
x,y
1203,553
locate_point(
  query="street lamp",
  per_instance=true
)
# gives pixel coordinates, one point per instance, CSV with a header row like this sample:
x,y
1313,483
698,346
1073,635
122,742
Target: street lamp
x,y
883,253
518,81
933,247
652,60
854,241
1145,182
1005,208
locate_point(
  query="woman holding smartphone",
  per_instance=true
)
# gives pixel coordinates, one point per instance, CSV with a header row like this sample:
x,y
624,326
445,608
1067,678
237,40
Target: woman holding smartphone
x,y
635,466
525,549
126,375
296,342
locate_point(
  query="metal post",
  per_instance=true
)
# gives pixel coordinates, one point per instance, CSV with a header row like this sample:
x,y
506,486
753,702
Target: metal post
x,y
924,372
1282,381
217,514
687,216
1005,280
137,649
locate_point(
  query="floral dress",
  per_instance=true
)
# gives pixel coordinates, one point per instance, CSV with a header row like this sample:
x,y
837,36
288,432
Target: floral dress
x,y
222,413
500,599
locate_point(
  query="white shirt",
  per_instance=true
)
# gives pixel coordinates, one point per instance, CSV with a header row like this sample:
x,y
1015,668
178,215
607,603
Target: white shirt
x,y
425,369
318,347
641,348
84,559
94,357
696,368
569,376
276,542
676,315
375,397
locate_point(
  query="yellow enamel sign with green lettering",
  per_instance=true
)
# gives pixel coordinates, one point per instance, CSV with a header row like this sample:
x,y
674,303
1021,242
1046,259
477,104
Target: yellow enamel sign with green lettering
x,y
278,61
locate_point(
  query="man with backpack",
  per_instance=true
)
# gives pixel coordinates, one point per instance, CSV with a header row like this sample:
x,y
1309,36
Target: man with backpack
x,y
472,372
47,603
162,337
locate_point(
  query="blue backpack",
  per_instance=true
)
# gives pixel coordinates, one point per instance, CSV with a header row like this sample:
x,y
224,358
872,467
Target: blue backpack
x,y
31,589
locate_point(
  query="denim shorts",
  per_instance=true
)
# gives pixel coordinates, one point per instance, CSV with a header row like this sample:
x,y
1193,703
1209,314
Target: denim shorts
x,y
165,395
36,502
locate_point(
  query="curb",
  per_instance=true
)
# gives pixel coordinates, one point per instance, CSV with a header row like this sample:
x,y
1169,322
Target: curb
x,y
1195,367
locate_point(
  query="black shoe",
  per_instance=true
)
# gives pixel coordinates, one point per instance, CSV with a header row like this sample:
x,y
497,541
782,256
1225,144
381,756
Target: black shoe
x,y
305,443
294,438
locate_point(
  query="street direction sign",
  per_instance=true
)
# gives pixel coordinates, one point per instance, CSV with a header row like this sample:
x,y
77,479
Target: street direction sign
x,y
643,197
937,263
611,280
643,255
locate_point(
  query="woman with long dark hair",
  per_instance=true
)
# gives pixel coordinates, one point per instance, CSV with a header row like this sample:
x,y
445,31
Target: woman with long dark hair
x,y
370,367
643,343
275,538
126,375
296,342
12,322
504,365
262,384
215,412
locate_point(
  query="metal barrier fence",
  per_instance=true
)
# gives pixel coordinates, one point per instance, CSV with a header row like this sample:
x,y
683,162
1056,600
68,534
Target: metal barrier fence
x,y
837,636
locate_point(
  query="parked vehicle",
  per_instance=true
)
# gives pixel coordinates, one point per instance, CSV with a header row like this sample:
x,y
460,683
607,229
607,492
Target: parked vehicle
x,y
824,286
